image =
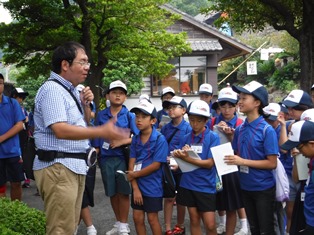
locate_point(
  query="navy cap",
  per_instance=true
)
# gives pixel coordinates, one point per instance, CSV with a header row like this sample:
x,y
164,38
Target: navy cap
x,y
301,131
256,89
176,100
298,97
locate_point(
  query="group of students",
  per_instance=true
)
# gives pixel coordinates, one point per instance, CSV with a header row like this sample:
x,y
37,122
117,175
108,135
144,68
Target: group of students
x,y
256,141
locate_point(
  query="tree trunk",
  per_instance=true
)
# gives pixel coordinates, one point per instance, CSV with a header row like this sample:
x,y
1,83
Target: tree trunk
x,y
95,78
307,47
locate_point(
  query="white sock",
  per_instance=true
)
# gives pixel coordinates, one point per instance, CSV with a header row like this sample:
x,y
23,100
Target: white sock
x,y
222,220
90,227
243,223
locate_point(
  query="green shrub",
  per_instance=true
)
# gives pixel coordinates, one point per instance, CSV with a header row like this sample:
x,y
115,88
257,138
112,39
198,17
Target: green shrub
x,y
20,218
6,231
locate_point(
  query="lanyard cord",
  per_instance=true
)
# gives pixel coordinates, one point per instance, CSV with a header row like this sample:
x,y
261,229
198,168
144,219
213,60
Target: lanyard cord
x,y
201,140
251,139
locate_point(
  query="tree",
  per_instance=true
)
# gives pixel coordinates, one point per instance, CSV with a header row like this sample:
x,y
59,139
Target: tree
x,y
192,7
116,31
296,17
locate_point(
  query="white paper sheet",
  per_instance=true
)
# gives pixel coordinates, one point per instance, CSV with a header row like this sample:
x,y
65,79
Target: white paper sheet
x,y
302,166
219,152
186,166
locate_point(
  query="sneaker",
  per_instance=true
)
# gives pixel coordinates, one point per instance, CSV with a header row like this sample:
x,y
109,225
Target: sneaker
x,y
168,232
178,230
221,229
113,231
25,185
91,231
241,232
124,229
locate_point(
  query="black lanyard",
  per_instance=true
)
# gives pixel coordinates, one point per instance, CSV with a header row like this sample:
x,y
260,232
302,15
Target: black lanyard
x,y
75,99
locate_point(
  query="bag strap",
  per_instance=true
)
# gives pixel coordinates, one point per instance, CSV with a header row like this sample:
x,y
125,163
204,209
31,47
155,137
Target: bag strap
x,y
68,90
172,135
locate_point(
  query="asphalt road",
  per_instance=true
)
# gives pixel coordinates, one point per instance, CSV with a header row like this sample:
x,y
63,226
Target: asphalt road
x,y
102,214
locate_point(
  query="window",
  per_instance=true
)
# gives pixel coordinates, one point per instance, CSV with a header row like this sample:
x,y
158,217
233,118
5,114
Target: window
x,y
185,79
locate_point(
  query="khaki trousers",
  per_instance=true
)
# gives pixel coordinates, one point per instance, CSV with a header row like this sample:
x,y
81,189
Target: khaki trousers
x,y
62,193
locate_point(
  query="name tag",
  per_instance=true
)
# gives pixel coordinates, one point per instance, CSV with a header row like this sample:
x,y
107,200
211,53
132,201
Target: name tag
x,y
244,169
106,145
302,196
197,148
137,166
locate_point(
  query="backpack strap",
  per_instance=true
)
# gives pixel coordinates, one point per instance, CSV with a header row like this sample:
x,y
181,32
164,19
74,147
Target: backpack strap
x,y
213,120
238,122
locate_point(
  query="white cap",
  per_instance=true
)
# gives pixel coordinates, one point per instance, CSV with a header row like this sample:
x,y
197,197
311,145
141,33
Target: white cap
x,y
272,109
80,87
227,94
198,107
117,84
144,97
308,115
145,107
205,88
166,90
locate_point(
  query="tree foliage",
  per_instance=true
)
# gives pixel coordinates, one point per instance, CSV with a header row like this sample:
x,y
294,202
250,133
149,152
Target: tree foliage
x,y
279,77
296,17
110,31
191,7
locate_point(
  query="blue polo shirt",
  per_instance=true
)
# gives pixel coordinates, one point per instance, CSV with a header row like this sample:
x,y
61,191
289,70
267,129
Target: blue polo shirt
x,y
125,119
309,200
201,179
160,113
176,132
254,141
154,150
10,114
285,158
231,123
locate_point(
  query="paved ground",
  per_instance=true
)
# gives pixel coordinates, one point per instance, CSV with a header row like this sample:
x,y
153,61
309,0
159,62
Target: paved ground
x,y
102,214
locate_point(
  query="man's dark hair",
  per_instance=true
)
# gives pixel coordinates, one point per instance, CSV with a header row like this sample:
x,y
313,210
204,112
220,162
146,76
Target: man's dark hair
x,y
1,76
68,52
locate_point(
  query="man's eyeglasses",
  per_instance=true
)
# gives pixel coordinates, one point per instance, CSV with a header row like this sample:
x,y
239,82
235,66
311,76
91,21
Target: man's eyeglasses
x,y
82,63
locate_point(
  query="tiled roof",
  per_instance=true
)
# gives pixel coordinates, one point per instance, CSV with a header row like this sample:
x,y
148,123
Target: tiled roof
x,y
205,45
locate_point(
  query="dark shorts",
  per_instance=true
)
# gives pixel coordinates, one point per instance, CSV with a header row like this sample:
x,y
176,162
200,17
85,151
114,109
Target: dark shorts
x,y
150,204
11,169
204,202
177,179
88,195
230,198
114,182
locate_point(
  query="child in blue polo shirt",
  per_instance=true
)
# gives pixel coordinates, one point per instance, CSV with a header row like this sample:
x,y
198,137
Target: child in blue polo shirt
x,y
256,146
11,169
112,156
303,139
148,152
197,188
173,131
229,199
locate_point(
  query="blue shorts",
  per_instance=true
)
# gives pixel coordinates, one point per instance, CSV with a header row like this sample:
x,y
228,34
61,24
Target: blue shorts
x,y
150,204
294,187
204,202
114,182
11,169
